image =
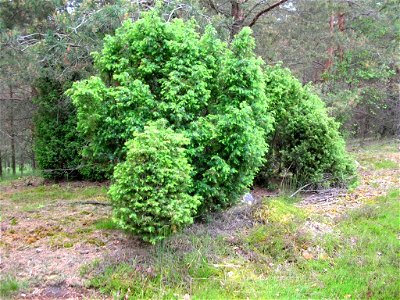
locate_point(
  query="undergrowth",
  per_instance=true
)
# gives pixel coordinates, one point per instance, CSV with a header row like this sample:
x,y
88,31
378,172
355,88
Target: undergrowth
x,y
9,286
276,258
57,192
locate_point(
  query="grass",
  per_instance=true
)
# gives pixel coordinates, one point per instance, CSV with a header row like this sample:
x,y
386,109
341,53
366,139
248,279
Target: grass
x,y
8,176
57,192
386,164
359,260
105,224
370,266
9,286
377,156
376,163
358,257
89,267
35,198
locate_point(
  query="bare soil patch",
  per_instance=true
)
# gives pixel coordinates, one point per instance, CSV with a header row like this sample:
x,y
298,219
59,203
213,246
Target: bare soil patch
x,y
47,245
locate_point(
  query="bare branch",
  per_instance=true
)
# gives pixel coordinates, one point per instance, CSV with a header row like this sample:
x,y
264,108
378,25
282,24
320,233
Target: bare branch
x,y
217,9
264,11
179,7
255,6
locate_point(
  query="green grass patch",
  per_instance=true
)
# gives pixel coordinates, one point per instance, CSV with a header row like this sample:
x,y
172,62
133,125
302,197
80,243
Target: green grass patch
x,y
46,193
126,281
9,286
280,210
63,239
32,207
87,268
360,259
106,224
371,162
376,155
363,260
8,177
368,264
386,164
174,271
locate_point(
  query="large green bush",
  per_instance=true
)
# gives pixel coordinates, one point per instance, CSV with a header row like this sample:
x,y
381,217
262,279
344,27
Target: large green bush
x,y
306,143
151,188
228,150
212,94
229,143
215,96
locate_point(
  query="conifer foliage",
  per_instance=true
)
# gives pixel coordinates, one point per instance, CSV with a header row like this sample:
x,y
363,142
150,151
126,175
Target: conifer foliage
x,y
151,187
185,121
206,92
306,143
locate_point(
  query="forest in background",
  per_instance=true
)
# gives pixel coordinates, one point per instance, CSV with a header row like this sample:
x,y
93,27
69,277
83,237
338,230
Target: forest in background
x,y
347,50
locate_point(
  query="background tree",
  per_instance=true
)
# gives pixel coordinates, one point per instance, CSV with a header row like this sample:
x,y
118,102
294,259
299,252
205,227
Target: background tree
x,y
16,108
241,13
57,37
348,50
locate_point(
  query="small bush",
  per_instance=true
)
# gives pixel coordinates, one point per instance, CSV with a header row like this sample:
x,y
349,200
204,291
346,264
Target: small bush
x,y
306,143
151,188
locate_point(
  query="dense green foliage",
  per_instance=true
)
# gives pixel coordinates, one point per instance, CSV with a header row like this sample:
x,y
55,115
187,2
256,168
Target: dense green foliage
x,y
151,188
58,143
306,143
56,139
212,94
44,47
347,50
229,143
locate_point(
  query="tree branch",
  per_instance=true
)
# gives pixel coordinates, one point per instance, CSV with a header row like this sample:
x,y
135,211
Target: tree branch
x,y
264,11
216,8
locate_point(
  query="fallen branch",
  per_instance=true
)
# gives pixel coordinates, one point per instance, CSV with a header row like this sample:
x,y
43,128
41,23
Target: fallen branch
x,y
299,190
92,203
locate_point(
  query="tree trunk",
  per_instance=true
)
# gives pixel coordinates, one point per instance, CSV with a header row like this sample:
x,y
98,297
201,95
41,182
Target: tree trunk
x,y
331,51
33,162
12,132
1,165
21,164
32,153
238,18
